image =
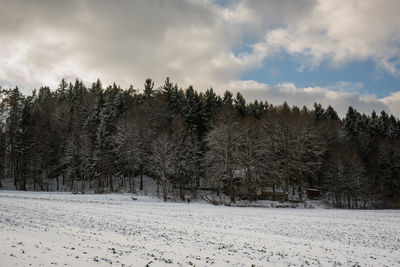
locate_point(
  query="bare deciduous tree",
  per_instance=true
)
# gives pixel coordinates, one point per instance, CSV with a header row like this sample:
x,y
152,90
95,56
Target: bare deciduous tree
x,y
162,158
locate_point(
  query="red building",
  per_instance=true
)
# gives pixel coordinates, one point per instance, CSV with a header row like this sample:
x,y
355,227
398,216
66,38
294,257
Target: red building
x,y
313,193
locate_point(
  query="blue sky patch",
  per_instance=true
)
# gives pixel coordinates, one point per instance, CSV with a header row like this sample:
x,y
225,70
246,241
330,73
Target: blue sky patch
x,y
365,77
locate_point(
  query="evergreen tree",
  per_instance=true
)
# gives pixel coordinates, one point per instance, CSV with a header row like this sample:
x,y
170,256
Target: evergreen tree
x,y
318,112
257,109
12,106
240,104
212,103
352,122
23,143
227,99
168,88
188,140
194,113
148,87
331,114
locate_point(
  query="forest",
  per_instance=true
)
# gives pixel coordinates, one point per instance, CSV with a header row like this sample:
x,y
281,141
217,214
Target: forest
x,y
105,139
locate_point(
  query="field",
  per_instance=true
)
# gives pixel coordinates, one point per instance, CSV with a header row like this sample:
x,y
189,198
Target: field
x,y
88,230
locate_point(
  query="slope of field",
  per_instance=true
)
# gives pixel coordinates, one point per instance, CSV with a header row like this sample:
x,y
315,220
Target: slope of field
x,y
85,230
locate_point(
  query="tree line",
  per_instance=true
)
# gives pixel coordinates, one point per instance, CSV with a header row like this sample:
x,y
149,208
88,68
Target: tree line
x,y
100,139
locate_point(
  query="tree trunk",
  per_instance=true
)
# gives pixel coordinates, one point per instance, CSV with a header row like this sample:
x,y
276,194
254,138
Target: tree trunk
x,y
98,184
337,200
355,201
293,191
58,183
348,201
158,187
164,188
220,195
48,181
299,187
231,191
193,189
72,183
83,183
141,178
34,182
181,192
111,183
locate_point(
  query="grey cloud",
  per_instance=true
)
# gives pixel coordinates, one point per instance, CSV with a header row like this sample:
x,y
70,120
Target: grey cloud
x,y
193,41
340,100
341,31
124,41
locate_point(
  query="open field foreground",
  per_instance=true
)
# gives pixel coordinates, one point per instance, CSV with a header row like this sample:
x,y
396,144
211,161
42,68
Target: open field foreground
x,y
88,230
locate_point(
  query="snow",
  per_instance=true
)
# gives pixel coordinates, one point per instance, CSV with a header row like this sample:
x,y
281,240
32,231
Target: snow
x,y
88,230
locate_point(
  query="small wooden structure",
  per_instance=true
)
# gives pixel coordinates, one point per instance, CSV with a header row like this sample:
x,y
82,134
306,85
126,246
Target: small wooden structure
x,y
266,191
313,193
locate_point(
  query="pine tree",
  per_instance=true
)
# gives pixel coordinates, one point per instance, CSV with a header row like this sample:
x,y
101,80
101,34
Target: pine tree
x,y
227,99
3,150
240,104
62,90
318,112
212,104
168,88
352,122
107,135
12,105
105,142
331,114
257,109
148,87
194,113
177,100
23,143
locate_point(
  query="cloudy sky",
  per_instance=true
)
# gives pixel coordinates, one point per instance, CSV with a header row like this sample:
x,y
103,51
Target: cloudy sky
x,y
342,52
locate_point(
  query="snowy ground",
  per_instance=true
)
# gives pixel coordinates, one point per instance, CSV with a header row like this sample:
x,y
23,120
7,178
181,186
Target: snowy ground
x,y
88,230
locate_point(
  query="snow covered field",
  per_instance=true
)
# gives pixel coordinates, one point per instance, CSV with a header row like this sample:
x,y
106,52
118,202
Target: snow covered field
x,y
87,230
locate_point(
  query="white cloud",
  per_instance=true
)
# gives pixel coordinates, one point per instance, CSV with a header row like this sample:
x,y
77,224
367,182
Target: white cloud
x,y
193,41
341,31
339,99
124,41
393,103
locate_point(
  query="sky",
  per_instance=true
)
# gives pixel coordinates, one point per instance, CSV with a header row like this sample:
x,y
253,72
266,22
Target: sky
x,y
338,53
